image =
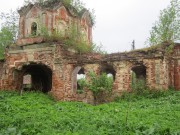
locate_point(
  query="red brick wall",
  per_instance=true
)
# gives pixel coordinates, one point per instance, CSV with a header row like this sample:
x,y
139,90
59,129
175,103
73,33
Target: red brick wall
x,y
175,68
160,72
177,75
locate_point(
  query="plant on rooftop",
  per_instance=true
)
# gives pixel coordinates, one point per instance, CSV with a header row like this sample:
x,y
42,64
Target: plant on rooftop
x,y
75,5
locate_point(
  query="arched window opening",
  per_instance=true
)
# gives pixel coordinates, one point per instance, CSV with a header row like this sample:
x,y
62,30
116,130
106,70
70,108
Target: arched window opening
x,y
138,77
107,76
34,29
37,78
78,79
109,71
81,81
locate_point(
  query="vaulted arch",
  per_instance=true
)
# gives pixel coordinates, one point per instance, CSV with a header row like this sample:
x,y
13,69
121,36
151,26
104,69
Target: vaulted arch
x,y
38,76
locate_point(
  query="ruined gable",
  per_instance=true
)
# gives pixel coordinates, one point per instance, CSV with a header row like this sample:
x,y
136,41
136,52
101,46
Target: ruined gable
x,y
33,17
36,19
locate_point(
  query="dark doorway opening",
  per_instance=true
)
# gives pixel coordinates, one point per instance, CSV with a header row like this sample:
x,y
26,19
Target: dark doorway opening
x,y
40,78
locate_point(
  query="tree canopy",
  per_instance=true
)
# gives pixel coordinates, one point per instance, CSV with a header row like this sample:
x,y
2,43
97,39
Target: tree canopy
x,y
167,28
9,30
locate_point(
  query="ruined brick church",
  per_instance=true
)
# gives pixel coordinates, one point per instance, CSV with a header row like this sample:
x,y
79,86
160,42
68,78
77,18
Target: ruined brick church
x,y
53,69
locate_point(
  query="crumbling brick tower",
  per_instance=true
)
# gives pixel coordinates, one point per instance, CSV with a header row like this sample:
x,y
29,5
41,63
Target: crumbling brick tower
x,y
39,64
43,61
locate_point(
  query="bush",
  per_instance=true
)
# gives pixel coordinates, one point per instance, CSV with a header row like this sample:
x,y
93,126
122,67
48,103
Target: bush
x,y
139,87
81,85
99,84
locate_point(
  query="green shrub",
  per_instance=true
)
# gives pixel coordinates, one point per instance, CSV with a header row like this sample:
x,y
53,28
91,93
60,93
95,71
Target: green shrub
x,y
139,86
81,85
99,84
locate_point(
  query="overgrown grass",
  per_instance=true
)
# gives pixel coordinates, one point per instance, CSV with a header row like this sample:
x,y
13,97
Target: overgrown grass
x,y
36,113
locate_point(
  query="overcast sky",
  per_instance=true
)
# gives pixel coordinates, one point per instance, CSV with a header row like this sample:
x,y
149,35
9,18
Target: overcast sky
x,y
118,22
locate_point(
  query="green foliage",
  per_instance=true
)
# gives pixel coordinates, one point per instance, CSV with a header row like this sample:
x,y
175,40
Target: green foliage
x,y
82,84
9,29
139,86
77,4
36,113
99,84
144,94
72,39
169,49
97,48
6,38
167,28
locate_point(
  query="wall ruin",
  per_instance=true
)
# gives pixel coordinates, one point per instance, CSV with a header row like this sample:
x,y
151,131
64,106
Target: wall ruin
x,y
59,67
52,68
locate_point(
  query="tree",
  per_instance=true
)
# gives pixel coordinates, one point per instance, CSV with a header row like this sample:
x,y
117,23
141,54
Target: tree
x,y
9,30
167,28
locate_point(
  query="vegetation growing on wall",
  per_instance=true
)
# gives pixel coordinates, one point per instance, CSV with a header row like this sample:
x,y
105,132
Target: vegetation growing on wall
x,y
72,38
74,5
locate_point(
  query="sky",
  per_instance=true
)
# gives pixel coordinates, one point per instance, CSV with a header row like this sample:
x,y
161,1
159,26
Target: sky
x,y
118,22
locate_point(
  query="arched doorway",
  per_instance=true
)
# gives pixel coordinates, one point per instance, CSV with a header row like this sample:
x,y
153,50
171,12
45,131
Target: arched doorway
x,y
38,77
140,71
78,78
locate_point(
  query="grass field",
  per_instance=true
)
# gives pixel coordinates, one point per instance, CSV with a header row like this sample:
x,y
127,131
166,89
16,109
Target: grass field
x,y
36,113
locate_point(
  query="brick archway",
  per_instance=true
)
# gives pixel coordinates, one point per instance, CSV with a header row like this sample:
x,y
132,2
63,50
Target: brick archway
x,y
40,75
76,71
138,75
